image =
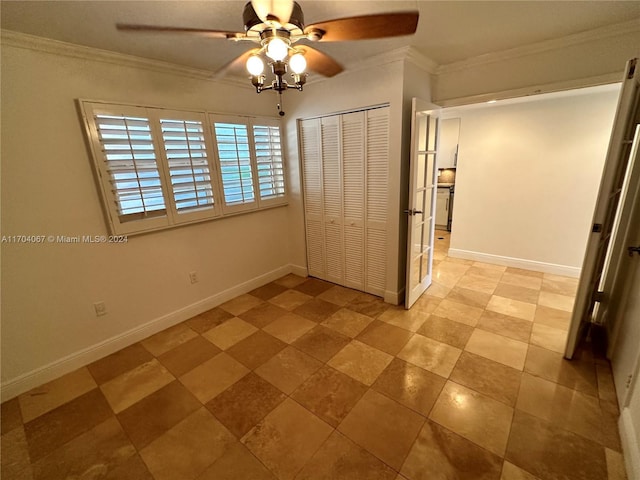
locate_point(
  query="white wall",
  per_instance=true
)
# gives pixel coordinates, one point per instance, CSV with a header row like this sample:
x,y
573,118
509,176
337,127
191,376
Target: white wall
x,y
527,178
48,291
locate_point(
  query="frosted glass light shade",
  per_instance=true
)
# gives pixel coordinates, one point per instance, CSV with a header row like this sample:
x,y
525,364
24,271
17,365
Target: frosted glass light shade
x,y
280,8
255,65
298,63
277,49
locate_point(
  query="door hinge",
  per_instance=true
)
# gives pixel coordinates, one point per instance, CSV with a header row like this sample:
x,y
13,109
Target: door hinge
x,y
629,378
598,296
632,68
633,250
597,228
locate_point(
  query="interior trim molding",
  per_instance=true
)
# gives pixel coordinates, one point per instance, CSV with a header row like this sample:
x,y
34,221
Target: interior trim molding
x,y
598,80
394,298
25,382
609,31
420,60
55,47
630,446
299,270
398,55
516,262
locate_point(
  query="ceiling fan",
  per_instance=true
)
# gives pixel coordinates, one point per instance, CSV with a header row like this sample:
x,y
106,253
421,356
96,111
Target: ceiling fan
x,y
278,25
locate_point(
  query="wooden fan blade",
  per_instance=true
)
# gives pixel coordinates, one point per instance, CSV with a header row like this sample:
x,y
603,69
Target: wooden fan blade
x,y
273,10
366,26
203,32
237,66
320,62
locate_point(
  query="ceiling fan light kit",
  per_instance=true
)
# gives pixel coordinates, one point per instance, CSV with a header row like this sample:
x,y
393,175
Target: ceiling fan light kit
x,y
277,25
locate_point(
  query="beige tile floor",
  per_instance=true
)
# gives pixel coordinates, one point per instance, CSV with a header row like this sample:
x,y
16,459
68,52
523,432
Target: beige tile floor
x,y
302,379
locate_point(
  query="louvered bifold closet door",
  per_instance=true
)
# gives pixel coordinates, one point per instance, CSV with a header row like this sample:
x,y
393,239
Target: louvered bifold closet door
x,y
377,180
312,183
332,198
353,182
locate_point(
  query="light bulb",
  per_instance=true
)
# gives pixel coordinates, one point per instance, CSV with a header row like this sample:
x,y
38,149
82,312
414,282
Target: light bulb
x,y
277,49
255,65
298,63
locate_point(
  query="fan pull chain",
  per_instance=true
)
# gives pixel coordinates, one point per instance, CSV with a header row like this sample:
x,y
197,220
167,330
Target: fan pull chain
x,y
280,105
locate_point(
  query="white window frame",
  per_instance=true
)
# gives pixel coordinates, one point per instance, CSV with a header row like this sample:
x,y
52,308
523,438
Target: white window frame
x,y
171,217
229,208
250,123
276,199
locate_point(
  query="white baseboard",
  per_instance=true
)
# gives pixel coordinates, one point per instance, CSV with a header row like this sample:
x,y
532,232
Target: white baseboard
x,y
516,262
298,270
630,446
394,298
23,383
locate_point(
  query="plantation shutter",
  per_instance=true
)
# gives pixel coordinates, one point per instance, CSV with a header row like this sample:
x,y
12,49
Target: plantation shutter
x,y
332,198
377,161
234,156
126,161
161,168
269,161
353,153
189,165
312,184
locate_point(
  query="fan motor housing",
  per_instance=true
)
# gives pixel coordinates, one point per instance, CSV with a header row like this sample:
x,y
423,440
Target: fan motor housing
x,y
253,23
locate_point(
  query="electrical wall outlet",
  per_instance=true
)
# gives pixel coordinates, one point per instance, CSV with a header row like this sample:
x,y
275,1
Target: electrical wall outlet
x,y
100,308
193,277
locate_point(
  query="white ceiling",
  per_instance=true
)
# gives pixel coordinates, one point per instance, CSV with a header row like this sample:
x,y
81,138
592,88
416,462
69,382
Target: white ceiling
x,y
448,31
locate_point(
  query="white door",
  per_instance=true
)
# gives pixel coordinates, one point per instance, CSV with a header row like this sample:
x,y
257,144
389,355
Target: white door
x,y
309,135
422,198
345,167
624,303
610,197
332,198
626,352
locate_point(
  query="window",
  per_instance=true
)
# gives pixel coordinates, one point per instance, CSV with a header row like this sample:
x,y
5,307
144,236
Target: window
x,y
251,165
269,161
232,141
187,163
159,168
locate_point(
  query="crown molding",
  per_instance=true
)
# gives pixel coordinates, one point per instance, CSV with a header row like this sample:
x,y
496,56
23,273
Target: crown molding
x,y
602,33
420,60
383,58
55,47
408,53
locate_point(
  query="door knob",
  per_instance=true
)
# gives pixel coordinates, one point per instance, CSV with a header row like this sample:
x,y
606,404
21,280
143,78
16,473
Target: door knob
x,y
413,212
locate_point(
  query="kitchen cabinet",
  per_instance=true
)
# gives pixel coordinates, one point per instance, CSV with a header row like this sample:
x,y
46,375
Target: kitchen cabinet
x,y
448,148
443,201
